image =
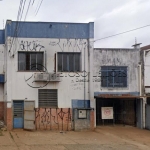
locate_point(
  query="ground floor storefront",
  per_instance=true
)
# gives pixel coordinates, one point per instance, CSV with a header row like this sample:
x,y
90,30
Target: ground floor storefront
x,y
125,111
24,115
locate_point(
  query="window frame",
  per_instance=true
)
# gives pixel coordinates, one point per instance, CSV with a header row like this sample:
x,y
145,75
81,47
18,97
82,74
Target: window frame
x,y
74,70
32,52
117,68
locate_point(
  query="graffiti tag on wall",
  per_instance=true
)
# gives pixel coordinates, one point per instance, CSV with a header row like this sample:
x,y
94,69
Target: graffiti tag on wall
x,y
69,45
31,46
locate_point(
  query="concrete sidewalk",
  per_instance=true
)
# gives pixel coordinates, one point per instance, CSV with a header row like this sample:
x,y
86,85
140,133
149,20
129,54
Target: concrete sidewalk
x,y
103,138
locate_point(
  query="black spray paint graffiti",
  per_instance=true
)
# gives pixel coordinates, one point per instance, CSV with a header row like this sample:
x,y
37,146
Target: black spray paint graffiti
x,y
50,118
75,45
30,80
31,46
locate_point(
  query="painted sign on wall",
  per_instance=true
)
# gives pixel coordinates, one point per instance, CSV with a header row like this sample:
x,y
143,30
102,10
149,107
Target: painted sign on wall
x,y
107,112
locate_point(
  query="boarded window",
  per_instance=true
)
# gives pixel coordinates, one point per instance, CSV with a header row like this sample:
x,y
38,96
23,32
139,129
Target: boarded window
x,y
114,76
48,98
68,62
30,61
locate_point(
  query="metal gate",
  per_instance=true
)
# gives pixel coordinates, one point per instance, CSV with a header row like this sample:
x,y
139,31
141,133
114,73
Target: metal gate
x,y
124,111
18,115
147,116
29,115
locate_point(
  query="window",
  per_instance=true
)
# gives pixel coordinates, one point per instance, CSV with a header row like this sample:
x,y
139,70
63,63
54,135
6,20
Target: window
x,y
68,62
30,61
114,76
48,98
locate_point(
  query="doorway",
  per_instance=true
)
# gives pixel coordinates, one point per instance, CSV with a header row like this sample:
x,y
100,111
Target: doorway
x,y
18,114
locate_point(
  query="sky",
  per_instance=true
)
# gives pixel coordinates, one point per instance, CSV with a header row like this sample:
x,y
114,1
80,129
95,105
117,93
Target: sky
x,y
110,17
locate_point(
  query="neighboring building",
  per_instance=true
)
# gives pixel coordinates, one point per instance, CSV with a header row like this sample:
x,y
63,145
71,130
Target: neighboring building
x,y
116,85
145,59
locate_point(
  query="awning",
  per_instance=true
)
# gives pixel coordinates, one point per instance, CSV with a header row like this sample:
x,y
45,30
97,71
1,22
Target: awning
x,y
119,96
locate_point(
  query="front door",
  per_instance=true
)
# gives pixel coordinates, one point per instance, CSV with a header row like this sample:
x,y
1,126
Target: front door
x,y
18,114
29,115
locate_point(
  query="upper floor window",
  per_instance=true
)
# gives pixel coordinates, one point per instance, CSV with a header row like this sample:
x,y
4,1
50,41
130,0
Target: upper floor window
x,y
114,76
30,61
68,61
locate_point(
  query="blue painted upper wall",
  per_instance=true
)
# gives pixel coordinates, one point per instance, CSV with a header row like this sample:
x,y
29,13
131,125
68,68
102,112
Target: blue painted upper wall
x,y
2,39
50,30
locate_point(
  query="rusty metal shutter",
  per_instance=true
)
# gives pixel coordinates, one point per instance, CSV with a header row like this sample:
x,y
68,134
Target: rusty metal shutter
x,y
48,98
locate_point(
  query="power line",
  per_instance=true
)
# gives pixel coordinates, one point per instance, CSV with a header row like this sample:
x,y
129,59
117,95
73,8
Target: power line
x,y
27,10
39,7
22,10
19,28
16,26
19,19
121,33
33,2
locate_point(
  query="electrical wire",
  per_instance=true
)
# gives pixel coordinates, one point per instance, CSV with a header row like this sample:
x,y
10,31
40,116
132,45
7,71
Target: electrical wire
x,y
33,2
16,26
39,7
19,28
121,33
27,10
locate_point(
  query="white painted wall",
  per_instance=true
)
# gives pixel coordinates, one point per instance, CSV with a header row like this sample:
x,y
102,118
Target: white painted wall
x,y
117,57
1,71
1,59
147,70
17,87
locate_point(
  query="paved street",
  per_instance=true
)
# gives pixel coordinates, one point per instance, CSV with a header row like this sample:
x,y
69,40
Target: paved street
x,y
103,138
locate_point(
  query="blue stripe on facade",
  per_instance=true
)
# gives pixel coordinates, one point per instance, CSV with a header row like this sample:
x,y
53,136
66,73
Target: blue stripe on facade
x,y
1,78
2,39
50,30
80,103
117,93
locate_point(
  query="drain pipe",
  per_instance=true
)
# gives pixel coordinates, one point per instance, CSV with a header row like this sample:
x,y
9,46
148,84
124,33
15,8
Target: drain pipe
x,y
140,82
84,77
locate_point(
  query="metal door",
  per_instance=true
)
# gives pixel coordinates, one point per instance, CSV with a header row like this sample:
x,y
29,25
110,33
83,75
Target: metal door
x,y
147,116
18,114
139,113
29,115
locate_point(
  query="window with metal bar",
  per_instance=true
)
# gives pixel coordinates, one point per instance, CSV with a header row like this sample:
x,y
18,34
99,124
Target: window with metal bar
x,y
69,61
28,61
47,98
114,76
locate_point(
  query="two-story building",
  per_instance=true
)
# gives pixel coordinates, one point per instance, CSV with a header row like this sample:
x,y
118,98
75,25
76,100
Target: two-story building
x,y
117,83
145,63
55,79
46,64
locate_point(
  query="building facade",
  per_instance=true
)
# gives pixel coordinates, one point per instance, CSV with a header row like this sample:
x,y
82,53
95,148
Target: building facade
x,y
52,78
145,61
45,68
117,86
